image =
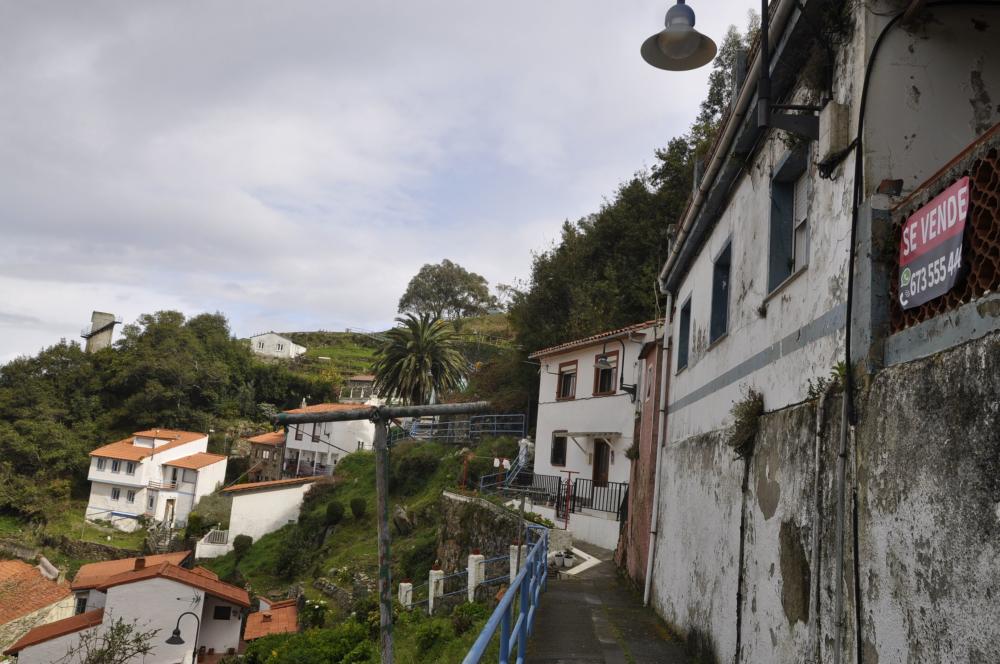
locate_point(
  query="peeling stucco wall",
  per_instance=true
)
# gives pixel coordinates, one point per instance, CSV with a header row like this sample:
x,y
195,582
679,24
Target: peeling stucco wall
x,y
928,457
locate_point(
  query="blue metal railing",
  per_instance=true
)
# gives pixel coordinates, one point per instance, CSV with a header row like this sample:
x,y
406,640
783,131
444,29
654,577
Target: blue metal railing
x,y
527,587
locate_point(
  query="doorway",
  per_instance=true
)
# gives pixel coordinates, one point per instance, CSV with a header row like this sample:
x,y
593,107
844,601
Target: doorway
x,y
602,462
168,512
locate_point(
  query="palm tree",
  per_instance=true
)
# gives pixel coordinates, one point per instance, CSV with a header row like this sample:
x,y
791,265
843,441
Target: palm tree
x,y
419,359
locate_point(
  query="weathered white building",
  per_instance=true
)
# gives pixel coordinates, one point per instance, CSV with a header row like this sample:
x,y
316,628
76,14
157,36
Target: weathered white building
x,y
258,508
193,605
158,474
314,449
271,344
758,278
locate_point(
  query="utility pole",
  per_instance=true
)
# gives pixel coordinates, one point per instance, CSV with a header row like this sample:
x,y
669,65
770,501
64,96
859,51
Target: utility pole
x,y
381,416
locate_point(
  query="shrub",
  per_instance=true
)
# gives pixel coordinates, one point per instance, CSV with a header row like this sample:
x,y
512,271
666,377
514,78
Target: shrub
x,y
428,634
293,553
334,513
317,494
411,466
241,545
746,415
358,507
346,643
314,613
465,616
196,526
213,509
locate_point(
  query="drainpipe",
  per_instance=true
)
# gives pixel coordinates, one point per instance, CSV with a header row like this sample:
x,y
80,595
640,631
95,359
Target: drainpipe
x,y
660,444
814,640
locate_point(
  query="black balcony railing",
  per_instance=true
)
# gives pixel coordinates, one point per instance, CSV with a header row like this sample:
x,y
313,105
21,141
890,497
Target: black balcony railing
x,y
607,497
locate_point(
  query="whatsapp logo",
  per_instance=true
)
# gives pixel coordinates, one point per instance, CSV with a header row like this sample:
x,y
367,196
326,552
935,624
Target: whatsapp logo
x,y
904,279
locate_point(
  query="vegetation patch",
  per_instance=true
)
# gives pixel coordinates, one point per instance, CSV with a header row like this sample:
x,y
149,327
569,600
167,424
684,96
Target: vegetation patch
x,y
746,415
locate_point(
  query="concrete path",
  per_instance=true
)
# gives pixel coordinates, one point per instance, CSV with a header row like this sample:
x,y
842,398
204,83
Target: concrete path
x,y
595,618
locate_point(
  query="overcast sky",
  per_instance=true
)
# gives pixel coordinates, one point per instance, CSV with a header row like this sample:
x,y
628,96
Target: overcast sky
x,y
293,164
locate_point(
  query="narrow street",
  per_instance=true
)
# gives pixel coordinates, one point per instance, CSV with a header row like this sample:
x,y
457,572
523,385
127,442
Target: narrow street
x,y
595,618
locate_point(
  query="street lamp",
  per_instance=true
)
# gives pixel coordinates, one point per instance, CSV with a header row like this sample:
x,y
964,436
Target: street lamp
x,y
679,47
175,638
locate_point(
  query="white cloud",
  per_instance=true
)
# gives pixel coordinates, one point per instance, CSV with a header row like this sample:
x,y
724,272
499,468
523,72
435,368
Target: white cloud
x,y
293,164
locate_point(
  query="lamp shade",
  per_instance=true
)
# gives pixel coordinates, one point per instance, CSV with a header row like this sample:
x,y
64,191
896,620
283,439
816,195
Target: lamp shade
x,y
175,638
678,47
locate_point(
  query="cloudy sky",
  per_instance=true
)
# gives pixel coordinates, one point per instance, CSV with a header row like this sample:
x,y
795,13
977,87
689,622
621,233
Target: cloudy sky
x,y
293,164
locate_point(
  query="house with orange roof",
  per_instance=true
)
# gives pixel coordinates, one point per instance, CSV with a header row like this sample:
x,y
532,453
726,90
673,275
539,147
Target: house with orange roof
x,y
267,456
93,575
192,611
273,618
159,474
592,392
315,448
30,597
258,508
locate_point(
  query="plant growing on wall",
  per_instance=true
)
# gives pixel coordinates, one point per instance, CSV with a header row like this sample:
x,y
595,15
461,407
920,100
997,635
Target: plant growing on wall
x,y
121,642
746,420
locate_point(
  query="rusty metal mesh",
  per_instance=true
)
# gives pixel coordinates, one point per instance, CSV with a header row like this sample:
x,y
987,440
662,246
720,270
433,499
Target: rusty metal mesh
x,y
980,247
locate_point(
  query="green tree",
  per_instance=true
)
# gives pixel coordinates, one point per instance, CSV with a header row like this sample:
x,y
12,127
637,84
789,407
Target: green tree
x,y
334,513
419,360
241,546
358,508
446,290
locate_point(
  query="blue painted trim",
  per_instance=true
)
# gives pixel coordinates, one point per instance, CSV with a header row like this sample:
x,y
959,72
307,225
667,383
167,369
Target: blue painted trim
x,y
830,322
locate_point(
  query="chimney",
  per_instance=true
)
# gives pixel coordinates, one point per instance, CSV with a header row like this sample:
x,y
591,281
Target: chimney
x,y
140,563
266,617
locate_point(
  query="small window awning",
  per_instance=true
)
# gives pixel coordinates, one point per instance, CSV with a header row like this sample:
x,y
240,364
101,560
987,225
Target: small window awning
x,y
593,434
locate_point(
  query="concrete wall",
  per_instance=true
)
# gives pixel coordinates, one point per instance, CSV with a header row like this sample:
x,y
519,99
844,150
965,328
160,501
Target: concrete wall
x,y
597,528
929,566
257,513
54,650
935,88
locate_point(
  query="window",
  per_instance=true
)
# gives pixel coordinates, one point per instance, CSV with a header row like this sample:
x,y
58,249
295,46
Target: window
x,y
720,294
684,335
116,493
130,496
151,502
789,232
129,468
605,379
222,613
260,345
279,346
190,476
557,456
174,472
298,431
566,386
116,465
267,454
81,604
317,430
101,463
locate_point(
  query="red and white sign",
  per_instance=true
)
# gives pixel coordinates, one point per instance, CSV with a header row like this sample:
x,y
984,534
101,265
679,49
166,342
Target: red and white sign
x,y
930,249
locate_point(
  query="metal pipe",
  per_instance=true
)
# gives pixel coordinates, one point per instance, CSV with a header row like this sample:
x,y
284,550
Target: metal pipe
x,y
661,447
382,413
384,580
814,640
722,148
839,553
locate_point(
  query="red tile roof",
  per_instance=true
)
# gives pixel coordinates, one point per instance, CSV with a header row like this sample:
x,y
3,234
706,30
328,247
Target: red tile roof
x,y
273,484
24,590
196,461
281,618
270,438
205,572
592,340
127,449
92,575
56,629
211,586
329,408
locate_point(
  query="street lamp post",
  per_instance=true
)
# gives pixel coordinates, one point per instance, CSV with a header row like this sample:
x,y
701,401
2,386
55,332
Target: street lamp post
x,y
679,47
175,638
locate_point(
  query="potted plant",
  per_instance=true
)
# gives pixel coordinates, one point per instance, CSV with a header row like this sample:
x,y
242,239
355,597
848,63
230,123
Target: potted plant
x,y
568,559
558,558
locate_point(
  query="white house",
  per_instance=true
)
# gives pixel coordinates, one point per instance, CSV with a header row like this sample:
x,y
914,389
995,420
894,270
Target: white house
x,y
192,610
587,410
314,448
258,508
271,344
93,575
159,474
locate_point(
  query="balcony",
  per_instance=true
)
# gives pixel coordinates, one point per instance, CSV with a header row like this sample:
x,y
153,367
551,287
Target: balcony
x,y
163,486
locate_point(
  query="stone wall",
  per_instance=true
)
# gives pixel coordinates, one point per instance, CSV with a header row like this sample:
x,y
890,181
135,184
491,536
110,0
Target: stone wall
x,y
473,523
927,451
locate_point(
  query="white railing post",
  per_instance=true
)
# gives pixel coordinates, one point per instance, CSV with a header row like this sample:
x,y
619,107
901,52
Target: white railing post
x,y
476,571
435,588
514,569
406,594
